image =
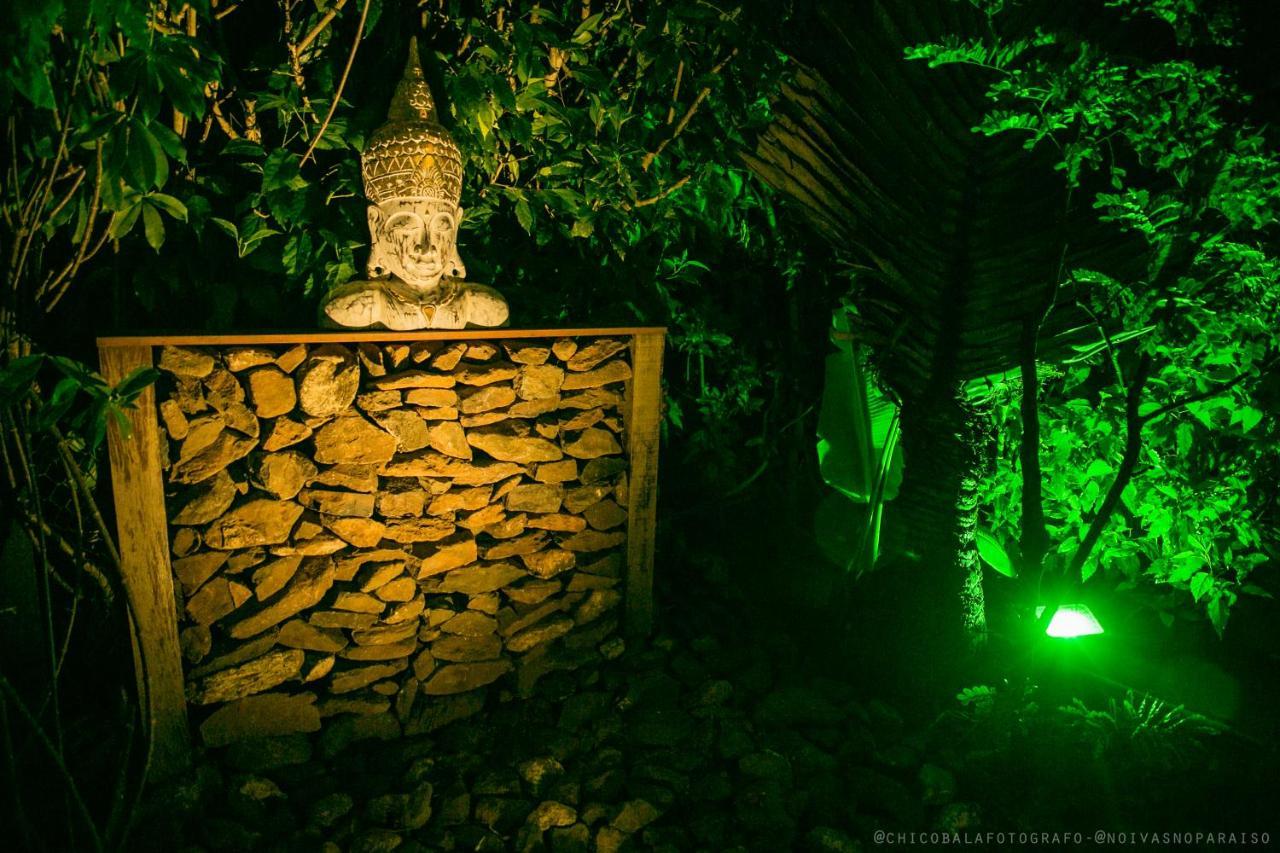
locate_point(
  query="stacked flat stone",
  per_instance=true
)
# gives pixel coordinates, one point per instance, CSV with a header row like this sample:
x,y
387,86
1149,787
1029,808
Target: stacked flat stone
x,y
386,532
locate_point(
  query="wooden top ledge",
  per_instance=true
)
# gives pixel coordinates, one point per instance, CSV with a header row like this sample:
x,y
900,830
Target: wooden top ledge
x,y
359,336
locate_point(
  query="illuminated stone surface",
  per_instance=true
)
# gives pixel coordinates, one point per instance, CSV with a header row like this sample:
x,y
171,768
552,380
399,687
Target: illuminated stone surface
x,y
392,553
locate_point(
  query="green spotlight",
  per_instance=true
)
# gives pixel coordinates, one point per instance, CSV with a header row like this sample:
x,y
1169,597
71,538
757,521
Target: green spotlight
x,y
1071,620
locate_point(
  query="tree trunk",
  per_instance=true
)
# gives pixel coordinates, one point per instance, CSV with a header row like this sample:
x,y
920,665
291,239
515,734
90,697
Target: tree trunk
x,y
930,527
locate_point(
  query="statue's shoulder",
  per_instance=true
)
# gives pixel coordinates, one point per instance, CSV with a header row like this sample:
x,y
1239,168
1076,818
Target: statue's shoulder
x,y
378,303
479,291
483,305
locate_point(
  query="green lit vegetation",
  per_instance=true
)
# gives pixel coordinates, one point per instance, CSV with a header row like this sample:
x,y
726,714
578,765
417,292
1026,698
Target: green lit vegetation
x,y
1152,441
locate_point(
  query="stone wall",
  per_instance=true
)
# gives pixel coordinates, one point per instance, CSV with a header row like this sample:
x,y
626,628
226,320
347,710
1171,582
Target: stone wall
x,y
376,536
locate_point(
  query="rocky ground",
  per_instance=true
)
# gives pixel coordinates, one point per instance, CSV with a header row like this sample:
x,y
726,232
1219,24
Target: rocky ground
x,y
696,741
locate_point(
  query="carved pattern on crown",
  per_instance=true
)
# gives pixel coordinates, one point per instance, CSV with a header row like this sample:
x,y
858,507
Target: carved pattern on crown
x,y
412,155
407,162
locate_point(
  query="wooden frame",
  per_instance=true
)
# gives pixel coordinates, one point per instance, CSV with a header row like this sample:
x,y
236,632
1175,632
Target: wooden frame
x,y
349,336
143,529
642,418
142,532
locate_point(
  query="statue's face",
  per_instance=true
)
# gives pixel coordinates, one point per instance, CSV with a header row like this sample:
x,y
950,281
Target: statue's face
x,y
415,240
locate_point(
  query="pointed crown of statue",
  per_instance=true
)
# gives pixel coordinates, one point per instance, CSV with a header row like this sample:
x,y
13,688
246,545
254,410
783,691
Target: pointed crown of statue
x,y
412,155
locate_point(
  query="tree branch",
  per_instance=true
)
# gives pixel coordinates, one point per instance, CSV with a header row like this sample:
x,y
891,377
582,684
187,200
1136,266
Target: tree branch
x,y
62,280
32,228
342,84
216,110
82,485
675,93
57,208
1035,536
1134,421
688,115
68,273
1128,462
70,550
324,21
645,202
187,15
55,753
1210,393
1106,340
295,61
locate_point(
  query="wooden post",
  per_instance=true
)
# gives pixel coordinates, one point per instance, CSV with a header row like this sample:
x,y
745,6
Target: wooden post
x,y
143,535
643,413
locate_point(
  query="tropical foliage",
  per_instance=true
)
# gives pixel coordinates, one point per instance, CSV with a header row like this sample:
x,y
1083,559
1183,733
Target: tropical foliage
x,y
1153,444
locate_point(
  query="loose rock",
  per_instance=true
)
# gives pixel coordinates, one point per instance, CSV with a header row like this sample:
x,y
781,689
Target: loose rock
x,y
510,448
272,392
256,676
328,381
462,677
261,716
258,522
352,439
185,361
283,474
305,590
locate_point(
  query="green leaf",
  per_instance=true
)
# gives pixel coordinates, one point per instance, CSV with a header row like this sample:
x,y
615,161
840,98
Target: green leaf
x,y
134,384
1185,564
227,227
994,554
1220,610
281,171
846,533
1249,417
17,376
242,148
484,117
150,157
253,230
153,225
586,29
179,84
122,221
980,697
1201,584
524,215
170,142
64,394
1184,435
168,204
81,372
858,452
297,252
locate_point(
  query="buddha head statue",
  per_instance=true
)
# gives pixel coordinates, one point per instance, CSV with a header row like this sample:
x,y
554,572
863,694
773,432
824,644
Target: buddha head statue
x,y
413,180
